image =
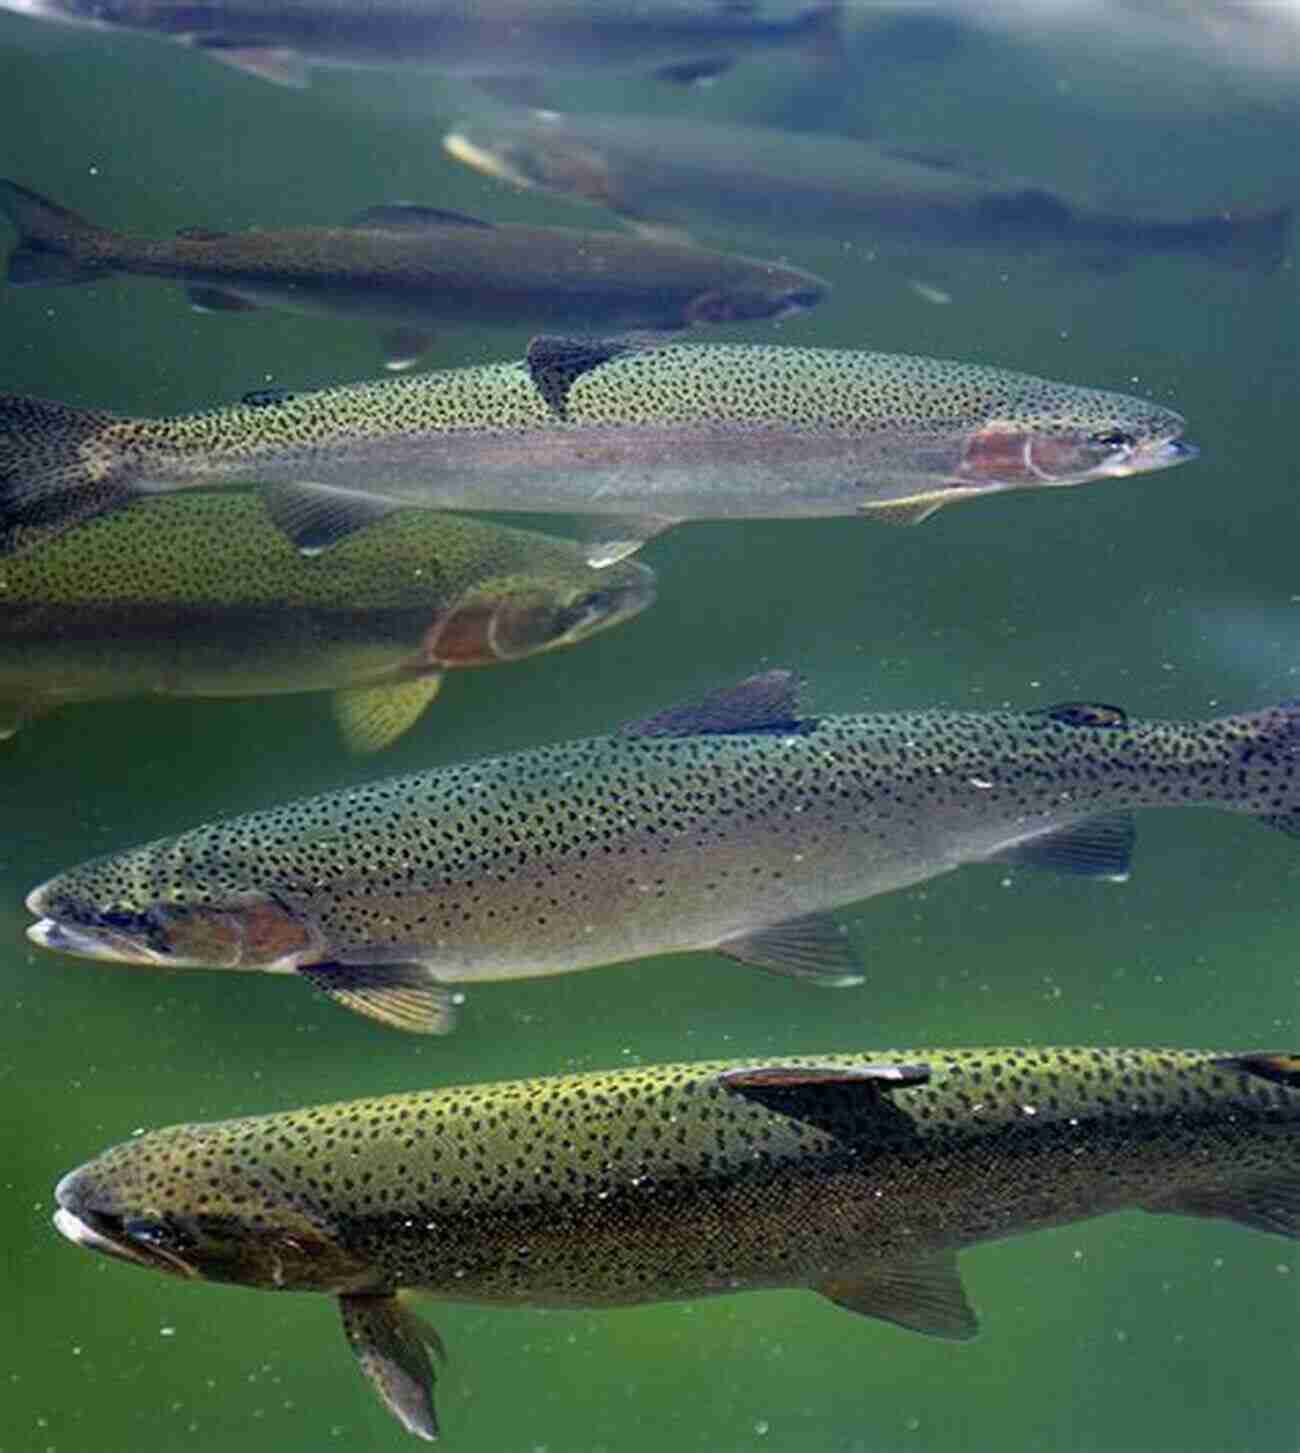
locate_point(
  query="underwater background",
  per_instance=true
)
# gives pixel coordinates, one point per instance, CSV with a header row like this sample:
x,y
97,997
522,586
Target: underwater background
x,y
1176,594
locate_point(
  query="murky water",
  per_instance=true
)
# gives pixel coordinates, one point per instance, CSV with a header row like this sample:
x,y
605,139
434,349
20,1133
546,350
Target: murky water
x,y
1177,594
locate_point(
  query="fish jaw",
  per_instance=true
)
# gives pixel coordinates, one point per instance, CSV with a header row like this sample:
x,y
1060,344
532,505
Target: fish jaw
x,y
77,1220
257,932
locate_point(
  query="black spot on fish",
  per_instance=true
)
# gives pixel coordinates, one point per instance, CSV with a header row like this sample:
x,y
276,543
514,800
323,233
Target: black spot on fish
x,y
1086,714
265,398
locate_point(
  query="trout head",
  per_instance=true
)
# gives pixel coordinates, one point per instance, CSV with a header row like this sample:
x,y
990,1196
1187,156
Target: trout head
x,y
124,909
1057,435
508,619
193,1201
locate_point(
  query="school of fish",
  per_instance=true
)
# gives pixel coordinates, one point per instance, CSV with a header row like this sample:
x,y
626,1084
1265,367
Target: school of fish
x,y
324,539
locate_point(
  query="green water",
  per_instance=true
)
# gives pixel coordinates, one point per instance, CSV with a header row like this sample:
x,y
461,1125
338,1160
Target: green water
x,y
1177,594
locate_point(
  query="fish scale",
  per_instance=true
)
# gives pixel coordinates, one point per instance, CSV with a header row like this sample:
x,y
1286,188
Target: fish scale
x,y
858,1175
705,832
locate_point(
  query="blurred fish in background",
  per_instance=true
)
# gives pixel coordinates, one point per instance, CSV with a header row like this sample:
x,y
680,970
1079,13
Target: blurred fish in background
x,y
418,268
663,171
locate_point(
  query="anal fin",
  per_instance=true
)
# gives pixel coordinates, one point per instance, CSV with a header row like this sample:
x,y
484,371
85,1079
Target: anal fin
x,y
813,947
373,717
923,1294
1098,847
404,347
217,300
906,511
400,995
610,538
392,1347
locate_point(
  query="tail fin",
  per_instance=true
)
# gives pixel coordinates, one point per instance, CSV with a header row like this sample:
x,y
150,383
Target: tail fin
x,y
55,246
50,474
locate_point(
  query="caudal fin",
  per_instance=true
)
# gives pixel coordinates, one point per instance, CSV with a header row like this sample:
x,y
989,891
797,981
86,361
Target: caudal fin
x,y
52,474
55,246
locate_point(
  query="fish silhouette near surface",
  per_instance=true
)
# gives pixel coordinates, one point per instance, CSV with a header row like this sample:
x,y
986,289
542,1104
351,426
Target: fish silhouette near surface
x,y
636,435
736,824
496,42
419,268
661,172
204,595
859,1176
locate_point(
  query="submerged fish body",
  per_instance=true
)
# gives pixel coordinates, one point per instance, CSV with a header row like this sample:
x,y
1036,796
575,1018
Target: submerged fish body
x,y
643,435
734,825
682,40
656,171
204,595
417,268
859,1176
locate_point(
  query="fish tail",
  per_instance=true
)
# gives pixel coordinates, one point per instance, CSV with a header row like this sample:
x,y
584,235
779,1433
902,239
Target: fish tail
x,y
54,469
55,246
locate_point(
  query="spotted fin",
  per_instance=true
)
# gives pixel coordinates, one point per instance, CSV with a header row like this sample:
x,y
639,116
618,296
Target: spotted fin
x,y
1099,847
217,300
813,947
392,1347
555,364
766,702
924,1294
906,511
412,217
277,64
316,516
373,717
401,995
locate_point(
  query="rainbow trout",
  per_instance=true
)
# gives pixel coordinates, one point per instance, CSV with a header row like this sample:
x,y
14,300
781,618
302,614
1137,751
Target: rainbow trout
x,y
735,824
203,595
681,41
417,268
640,436
657,171
859,1176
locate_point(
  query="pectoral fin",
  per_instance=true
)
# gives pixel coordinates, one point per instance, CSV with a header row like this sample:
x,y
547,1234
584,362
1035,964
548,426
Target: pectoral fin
x,y
1099,847
217,300
404,347
400,995
813,947
610,538
924,1294
277,64
392,1347
907,511
372,717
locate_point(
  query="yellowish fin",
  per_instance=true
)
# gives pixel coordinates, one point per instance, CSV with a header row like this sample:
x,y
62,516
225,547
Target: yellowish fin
x,y
373,717
392,1347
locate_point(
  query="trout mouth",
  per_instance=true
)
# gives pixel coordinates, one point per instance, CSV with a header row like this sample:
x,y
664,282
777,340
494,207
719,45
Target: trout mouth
x,y
95,943
112,1235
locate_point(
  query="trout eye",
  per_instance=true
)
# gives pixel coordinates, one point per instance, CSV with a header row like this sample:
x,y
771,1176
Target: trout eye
x,y
147,1232
1114,439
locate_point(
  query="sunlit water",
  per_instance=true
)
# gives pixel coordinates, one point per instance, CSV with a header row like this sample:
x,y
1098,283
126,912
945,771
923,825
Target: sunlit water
x,y
1178,594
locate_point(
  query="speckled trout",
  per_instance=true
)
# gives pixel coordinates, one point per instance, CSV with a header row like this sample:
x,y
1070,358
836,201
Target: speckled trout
x,y
734,824
202,595
859,1176
416,269
638,435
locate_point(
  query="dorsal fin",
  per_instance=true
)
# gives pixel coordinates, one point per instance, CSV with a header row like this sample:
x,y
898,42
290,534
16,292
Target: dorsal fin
x,y
767,702
885,1074
266,398
1086,714
1281,1069
555,364
411,216
316,516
